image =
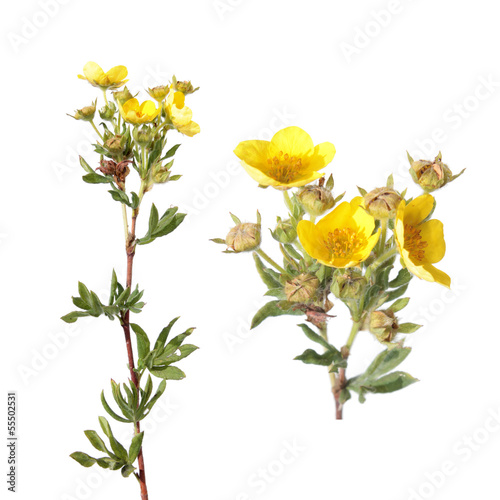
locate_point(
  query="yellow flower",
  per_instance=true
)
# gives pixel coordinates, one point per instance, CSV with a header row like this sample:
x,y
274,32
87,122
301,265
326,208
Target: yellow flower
x,y
343,238
290,159
421,244
180,115
133,112
113,79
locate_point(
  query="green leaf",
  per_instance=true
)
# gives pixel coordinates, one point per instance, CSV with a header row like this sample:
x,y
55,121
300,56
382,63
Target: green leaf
x,y
83,459
399,304
94,178
171,151
392,382
312,335
127,470
73,316
311,357
117,447
158,393
84,293
168,373
345,395
96,441
143,344
386,361
162,338
408,327
86,166
272,309
403,277
111,412
135,447
120,196
264,273
396,293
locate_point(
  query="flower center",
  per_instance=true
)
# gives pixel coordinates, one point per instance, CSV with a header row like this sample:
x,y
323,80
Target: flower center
x,y
414,243
343,243
283,167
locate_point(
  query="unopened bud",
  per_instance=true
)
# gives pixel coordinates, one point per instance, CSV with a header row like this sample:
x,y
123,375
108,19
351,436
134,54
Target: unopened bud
x,y
384,325
107,112
143,136
382,203
316,200
186,87
302,288
284,232
349,285
122,96
86,113
159,93
431,175
244,237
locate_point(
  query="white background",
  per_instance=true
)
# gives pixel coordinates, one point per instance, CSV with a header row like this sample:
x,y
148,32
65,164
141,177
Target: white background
x,y
415,82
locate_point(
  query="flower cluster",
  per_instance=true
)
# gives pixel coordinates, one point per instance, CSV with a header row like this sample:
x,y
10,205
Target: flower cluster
x,y
349,254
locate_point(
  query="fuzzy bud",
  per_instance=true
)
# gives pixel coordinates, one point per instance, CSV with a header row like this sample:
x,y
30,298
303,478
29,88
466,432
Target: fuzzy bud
x,y
244,237
349,285
86,113
284,232
143,136
122,96
316,200
384,325
431,175
186,87
302,288
107,112
382,203
159,93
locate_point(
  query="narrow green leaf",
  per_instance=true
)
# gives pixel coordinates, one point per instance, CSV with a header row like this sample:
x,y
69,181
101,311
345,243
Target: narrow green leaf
x,y
168,373
392,382
399,304
83,459
403,277
86,166
311,357
111,412
386,361
127,470
94,178
143,344
73,316
162,338
272,309
408,327
96,441
135,447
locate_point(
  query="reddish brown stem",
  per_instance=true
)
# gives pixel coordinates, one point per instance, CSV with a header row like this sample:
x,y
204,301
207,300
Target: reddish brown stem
x,y
339,385
130,249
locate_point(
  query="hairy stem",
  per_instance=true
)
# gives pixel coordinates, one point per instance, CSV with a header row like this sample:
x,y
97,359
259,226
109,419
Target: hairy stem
x,y
130,250
271,261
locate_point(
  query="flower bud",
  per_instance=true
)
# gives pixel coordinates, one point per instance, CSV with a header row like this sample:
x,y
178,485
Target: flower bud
x,y
431,175
316,200
159,93
384,325
122,96
382,203
349,285
302,288
186,87
284,231
143,136
161,173
116,144
107,112
244,237
86,113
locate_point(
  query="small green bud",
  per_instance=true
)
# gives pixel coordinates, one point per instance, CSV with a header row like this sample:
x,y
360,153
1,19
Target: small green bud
x,y
349,285
384,325
159,93
143,136
316,199
161,173
302,288
431,175
244,237
86,113
382,203
116,144
122,96
107,112
284,231
186,87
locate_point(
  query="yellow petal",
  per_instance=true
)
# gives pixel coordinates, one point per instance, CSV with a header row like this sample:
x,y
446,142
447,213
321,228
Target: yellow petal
x,y
292,140
340,216
303,180
254,153
399,232
93,71
418,209
131,105
312,242
148,108
259,176
322,156
190,129
117,74
432,233
438,276
363,254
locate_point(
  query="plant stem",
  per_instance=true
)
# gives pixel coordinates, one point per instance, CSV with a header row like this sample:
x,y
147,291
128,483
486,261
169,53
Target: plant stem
x,y
380,260
383,236
130,251
271,261
288,201
97,130
324,333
